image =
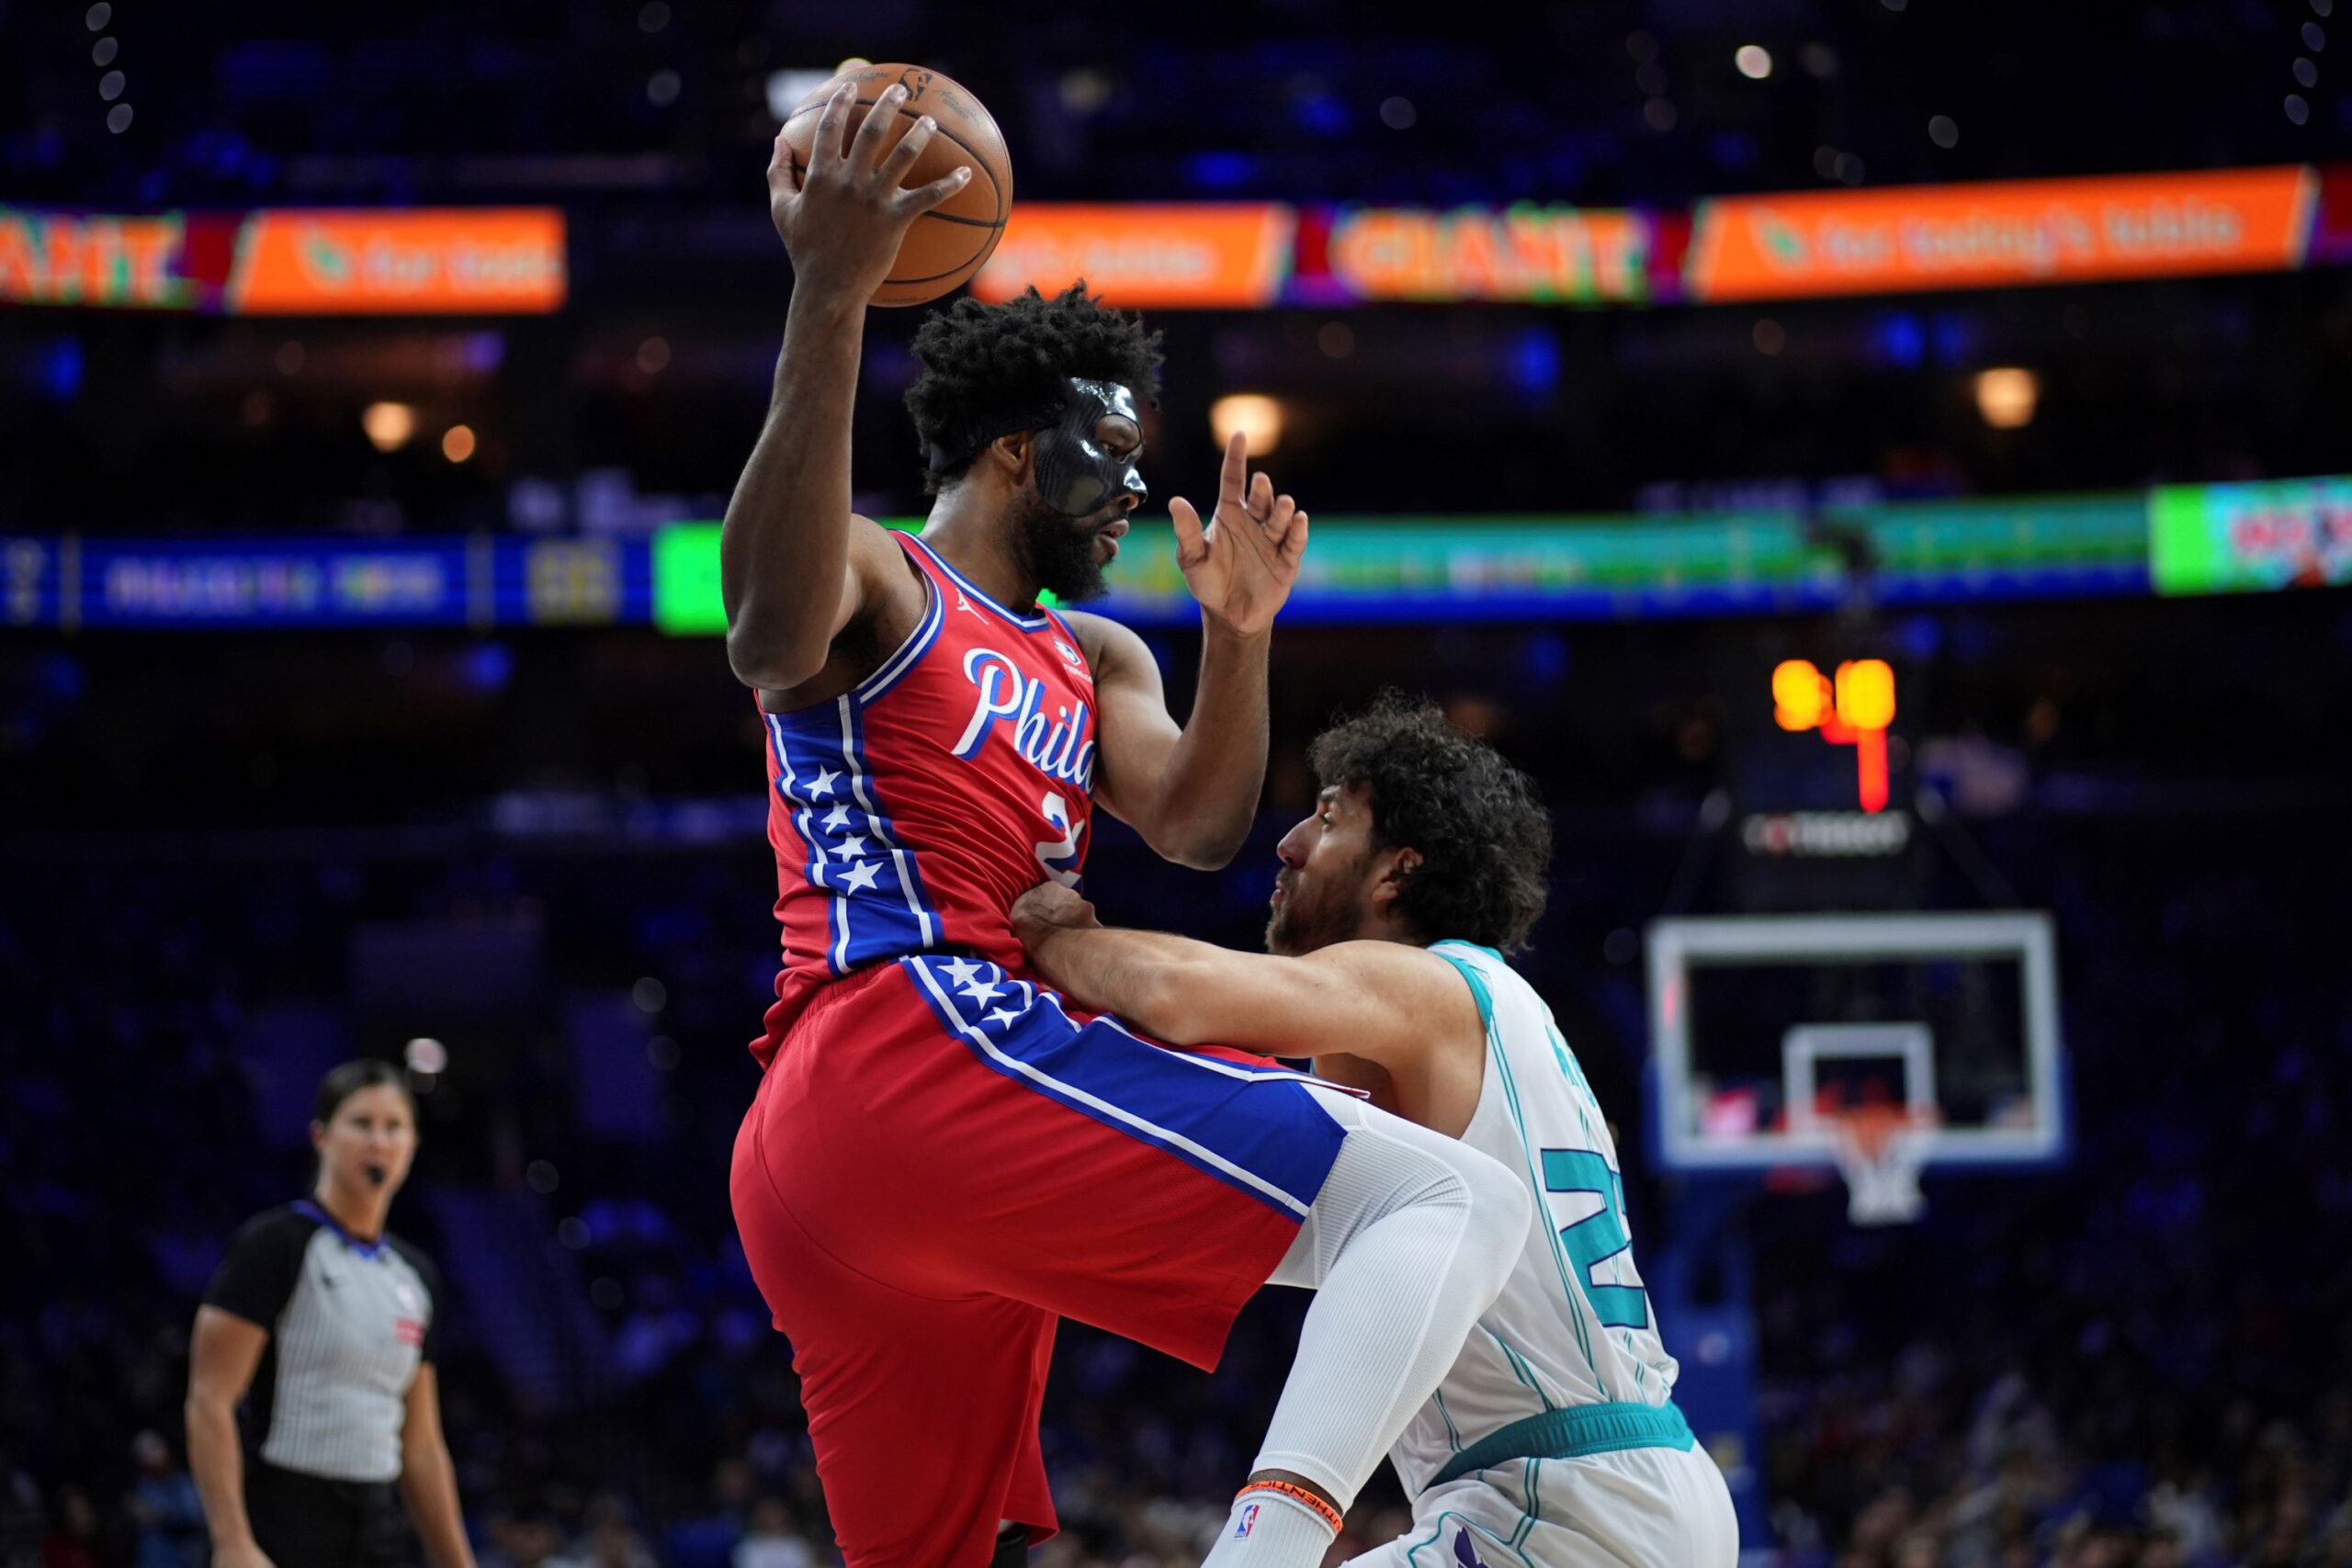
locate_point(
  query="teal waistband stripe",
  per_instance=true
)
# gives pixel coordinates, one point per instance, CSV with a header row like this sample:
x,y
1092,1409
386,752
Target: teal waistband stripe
x,y
1574,1433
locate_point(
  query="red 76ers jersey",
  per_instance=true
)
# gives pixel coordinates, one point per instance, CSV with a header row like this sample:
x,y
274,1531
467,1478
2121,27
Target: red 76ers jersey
x,y
907,815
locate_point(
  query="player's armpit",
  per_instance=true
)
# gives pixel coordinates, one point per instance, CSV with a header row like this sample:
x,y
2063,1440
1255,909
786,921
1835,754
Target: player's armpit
x,y
1351,1071
772,644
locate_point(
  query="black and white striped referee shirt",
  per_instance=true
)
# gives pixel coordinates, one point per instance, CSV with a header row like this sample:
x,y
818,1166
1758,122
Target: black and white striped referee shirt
x,y
349,1322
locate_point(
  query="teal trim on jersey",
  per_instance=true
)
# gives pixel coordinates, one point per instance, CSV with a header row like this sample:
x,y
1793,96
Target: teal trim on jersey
x,y
1478,992
1526,1374
1486,1000
1522,1369
1578,1432
1530,1500
1453,1433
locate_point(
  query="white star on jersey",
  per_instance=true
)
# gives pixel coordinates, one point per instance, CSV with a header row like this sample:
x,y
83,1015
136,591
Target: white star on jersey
x,y
961,970
1005,1015
837,818
851,848
980,991
823,784
861,876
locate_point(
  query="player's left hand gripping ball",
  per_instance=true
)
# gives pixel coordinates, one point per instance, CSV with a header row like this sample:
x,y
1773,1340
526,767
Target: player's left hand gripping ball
x,y
1241,566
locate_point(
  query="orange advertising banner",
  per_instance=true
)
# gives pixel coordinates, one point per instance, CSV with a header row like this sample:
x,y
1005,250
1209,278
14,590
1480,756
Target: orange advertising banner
x,y
1546,255
1852,241
63,258
504,260
1172,255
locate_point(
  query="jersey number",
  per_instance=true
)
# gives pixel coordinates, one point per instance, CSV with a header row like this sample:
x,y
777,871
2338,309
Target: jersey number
x,y
1059,856
1597,1237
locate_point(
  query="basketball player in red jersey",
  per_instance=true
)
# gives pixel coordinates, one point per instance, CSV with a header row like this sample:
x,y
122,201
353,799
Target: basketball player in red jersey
x,y
944,1159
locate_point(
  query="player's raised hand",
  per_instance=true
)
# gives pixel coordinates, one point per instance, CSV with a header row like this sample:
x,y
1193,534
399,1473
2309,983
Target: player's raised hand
x,y
842,218
1241,565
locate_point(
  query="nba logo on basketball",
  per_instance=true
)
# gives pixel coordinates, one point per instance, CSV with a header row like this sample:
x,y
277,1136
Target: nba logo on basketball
x,y
1248,1521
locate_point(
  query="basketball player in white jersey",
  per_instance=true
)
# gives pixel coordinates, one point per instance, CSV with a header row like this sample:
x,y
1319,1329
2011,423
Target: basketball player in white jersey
x,y
1553,1441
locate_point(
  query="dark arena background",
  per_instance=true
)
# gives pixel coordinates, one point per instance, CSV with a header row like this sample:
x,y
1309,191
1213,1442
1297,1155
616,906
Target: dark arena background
x,y
1883,466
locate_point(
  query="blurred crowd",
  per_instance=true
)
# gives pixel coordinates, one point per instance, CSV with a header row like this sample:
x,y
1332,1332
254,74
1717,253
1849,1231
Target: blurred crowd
x,y
1310,101
2140,1361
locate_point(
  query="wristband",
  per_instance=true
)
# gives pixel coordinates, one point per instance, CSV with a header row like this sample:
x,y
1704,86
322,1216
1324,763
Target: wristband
x,y
1322,1510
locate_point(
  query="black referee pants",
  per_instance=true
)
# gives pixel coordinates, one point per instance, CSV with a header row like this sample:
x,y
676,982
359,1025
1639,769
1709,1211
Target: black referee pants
x,y
308,1521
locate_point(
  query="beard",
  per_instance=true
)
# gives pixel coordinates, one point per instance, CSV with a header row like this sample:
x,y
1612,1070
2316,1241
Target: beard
x,y
1312,915
1058,550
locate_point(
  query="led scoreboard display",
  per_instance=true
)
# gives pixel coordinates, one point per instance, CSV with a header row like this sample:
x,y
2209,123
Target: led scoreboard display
x,y
1818,777
1852,708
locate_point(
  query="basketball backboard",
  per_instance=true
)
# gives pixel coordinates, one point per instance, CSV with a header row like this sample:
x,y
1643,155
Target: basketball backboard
x,y
1765,1029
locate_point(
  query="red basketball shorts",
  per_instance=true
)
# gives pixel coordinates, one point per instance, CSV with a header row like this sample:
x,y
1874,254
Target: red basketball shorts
x,y
942,1161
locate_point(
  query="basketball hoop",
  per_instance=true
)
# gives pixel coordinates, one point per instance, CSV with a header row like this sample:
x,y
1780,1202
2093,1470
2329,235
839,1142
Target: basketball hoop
x,y
1880,1151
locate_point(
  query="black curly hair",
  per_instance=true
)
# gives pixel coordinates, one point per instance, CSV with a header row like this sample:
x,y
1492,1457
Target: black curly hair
x,y
980,360
1483,837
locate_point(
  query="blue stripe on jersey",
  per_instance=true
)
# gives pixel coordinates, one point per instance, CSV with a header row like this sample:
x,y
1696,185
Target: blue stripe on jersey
x,y
879,909
898,917
918,643
1257,1130
801,810
362,1248
1026,623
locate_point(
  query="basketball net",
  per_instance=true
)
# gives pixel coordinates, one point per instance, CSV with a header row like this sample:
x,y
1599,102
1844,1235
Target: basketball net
x,y
1880,1151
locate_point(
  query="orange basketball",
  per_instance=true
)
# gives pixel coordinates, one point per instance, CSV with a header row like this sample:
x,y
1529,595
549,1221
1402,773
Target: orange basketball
x,y
947,245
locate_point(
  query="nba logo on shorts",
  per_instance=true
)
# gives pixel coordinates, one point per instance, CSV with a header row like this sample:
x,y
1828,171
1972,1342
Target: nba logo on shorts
x,y
1248,1521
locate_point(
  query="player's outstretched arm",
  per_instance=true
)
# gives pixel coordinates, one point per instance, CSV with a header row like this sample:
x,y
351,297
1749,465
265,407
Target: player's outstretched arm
x,y
1381,1003
1191,793
786,567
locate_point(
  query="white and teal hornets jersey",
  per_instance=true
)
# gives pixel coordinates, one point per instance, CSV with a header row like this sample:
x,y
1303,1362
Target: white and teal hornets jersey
x,y
1573,1325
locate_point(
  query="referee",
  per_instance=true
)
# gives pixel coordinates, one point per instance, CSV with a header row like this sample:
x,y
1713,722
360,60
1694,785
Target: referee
x,y
328,1321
